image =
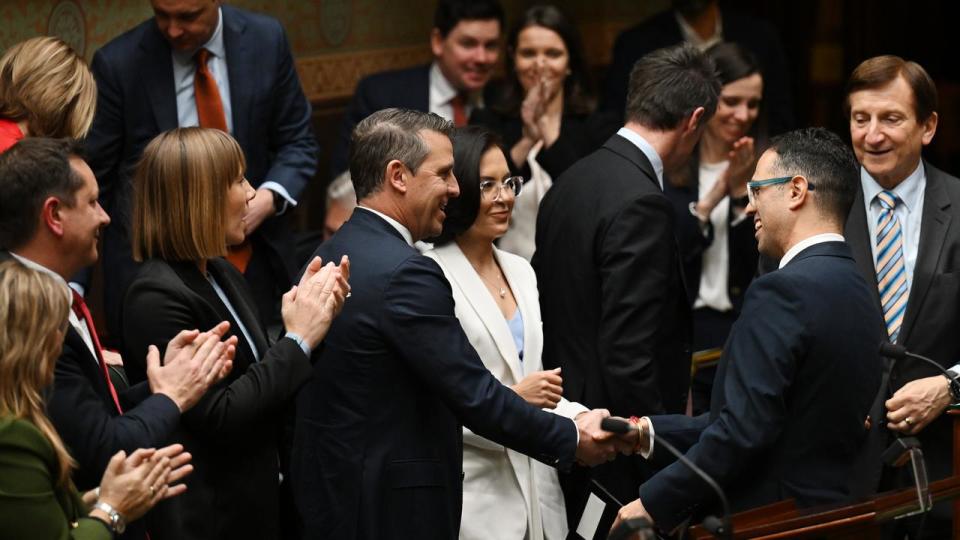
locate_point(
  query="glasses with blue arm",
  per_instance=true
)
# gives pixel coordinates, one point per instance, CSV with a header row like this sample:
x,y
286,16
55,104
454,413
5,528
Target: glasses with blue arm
x,y
753,186
493,190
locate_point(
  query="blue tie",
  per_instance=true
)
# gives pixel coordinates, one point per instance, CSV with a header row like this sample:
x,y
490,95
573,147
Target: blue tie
x,y
891,271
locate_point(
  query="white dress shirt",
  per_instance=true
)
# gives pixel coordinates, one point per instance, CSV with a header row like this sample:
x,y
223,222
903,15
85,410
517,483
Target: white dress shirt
x,y
442,92
184,68
647,150
692,37
909,212
404,232
714,292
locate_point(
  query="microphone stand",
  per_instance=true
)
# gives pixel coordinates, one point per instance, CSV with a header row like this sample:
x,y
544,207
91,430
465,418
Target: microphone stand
x,y
721,528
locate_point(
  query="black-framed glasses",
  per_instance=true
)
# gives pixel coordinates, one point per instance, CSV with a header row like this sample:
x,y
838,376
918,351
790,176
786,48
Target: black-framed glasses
x,y
753,186
492,190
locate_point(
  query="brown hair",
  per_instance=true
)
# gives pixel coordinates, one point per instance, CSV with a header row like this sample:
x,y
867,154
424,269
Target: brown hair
x,y
33,306
180,188
46,83
880,71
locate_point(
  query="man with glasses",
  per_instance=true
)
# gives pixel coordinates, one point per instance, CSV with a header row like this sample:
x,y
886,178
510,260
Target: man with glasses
x,y
800,369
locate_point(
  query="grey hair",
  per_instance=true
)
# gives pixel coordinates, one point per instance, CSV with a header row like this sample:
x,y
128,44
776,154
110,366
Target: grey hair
x,y
387,135
340,191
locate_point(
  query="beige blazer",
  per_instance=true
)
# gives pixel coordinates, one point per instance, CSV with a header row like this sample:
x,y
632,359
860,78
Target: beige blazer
x,y
505,493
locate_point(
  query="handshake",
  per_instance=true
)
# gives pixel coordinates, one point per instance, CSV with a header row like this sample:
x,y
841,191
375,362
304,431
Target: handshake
x,y
598,445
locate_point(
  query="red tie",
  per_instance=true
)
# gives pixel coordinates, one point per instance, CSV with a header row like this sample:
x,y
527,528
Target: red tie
x,y
459,110
207,95
80,308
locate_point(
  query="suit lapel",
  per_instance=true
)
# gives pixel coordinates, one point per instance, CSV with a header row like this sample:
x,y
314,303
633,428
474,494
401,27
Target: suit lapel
x,y
934,223
241,72
88,363
247,313
157,74
529,310
478,296
629,151
857,234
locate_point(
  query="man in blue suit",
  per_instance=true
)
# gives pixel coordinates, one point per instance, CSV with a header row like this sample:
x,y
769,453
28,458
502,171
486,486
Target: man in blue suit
x,y
465,42
150,79
801,367
378,449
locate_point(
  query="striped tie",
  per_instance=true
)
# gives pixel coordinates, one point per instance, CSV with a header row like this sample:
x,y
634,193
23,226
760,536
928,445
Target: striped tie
x,y
891,272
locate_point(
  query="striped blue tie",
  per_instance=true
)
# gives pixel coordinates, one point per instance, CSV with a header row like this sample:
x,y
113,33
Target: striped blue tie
x,y
891,271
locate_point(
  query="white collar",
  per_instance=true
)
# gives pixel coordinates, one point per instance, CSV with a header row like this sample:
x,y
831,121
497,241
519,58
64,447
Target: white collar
x,y
807,242
404,232
692,37
909,191
214,44
647,150
41,268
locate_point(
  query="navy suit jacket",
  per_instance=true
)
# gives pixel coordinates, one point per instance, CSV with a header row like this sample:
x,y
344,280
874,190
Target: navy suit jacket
x,y
378,446
933,313
136,102
795,383
405,88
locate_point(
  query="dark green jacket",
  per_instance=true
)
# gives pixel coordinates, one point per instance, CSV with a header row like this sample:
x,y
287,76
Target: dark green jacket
x,y
32,505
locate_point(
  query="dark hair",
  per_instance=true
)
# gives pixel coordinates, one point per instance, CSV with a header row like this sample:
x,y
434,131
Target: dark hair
x,y
668,84
30,171
470,143
387,135
826,162
577,87
732,62
880,71
449,13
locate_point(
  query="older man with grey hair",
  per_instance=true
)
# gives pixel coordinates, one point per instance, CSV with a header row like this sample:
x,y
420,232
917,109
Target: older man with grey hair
x,y
378,444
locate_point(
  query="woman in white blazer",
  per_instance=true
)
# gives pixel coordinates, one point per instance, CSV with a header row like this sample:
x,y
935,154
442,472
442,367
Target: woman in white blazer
x,y
506,495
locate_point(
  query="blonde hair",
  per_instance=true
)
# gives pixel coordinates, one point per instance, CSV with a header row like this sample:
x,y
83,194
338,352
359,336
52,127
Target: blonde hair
x,y
180,188
46,83
33,308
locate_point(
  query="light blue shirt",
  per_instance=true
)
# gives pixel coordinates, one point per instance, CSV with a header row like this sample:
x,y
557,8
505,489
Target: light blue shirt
x,y
647,150
183,71
516,330
908,211
233,313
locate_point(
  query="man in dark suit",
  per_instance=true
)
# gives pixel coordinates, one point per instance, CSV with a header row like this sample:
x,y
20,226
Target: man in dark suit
x,y
378,443
892,105
802,366
701,23
465,42
50,220
615,312
151,79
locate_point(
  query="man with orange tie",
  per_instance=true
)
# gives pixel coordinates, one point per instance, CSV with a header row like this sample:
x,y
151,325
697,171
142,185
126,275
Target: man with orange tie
x,y
197,62
465,42
50,221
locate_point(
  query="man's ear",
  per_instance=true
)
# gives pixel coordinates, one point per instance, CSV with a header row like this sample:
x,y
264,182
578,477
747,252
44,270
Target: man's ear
x,y
799,192
436,43
395,176
51,216
929,128
693,122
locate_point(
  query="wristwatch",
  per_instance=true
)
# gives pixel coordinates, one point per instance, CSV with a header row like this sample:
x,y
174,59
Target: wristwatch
x,y
117,523
954,386
279,203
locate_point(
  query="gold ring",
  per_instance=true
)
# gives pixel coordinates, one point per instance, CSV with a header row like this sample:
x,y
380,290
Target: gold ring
x,y
908,420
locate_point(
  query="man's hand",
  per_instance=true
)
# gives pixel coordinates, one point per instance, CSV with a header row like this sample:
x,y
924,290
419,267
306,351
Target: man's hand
x,y
259,209
633,510
308,309
917,404
541,388
193,362
596,445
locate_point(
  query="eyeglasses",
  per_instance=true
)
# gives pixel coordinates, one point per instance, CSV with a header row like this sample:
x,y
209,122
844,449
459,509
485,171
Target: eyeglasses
x,y
491,190
753,186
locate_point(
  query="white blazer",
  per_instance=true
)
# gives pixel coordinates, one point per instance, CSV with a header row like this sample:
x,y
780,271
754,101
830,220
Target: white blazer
x,y
505,493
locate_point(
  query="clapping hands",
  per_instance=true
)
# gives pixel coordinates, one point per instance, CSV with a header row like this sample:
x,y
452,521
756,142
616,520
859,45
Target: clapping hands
x,y
308,309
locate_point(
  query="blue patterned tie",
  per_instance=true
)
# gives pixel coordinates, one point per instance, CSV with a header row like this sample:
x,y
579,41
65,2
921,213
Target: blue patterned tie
x,y
891,271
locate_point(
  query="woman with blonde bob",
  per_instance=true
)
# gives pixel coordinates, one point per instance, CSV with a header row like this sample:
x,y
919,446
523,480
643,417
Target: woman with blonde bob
x,y
38,499
189,205
46,90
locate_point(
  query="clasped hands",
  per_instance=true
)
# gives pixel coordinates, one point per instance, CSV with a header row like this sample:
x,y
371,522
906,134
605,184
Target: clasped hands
x,y
597,445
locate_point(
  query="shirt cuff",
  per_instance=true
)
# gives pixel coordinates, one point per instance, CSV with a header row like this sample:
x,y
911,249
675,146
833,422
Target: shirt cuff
x,y
650,434
955,368
282,192
300,342
576,429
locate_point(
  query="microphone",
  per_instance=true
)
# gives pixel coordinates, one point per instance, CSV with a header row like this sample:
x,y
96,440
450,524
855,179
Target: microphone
x,y
721,528
899,352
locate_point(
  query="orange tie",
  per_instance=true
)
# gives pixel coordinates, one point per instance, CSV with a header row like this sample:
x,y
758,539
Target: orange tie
x,y
459,110
80,308
207,95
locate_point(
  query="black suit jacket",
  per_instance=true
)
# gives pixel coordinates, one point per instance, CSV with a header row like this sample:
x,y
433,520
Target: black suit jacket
x,y
662,30
378,446
235,429
136,101
615,312
796,380
405,88
932,318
